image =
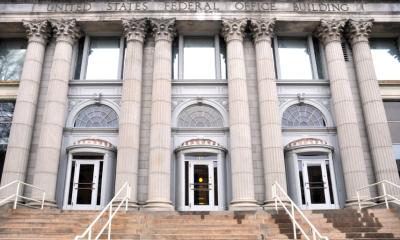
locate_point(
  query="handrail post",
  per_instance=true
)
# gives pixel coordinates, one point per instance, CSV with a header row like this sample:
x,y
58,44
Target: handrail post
x,y
90,235
109,223
358,199
294,222
43,197
274,194
16,196
385,195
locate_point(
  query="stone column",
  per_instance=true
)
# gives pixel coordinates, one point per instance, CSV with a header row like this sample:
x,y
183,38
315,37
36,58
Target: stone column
x,y
19,141
159,188
129,121
239,118
271,131
351,152
51,129
374,113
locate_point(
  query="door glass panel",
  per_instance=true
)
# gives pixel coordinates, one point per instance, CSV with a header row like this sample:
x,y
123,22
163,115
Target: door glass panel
x,y
100,181
329,183
215,184
84,184
201,185
186,183
71,182
316,184
303,198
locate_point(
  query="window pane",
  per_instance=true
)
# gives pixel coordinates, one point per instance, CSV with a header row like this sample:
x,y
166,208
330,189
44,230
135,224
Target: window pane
x,y
222,53
386,57
6,114
199,58
12,55
294,59
175,59
103,59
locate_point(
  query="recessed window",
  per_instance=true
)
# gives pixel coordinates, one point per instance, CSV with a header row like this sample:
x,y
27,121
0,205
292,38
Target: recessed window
x,y
12,55
201,58
392,109
298,58
99,58
303,116
396,148
6,114
386,57
96,116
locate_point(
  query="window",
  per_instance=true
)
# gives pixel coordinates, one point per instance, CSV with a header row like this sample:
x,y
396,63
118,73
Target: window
x,y
96,116
392,109
100,58
298,58
6,114
393,116
201,58
12,55
198,116
386,57
396,148
303,115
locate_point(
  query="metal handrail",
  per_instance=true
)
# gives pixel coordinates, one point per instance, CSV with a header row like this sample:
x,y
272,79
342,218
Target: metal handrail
x,y
293,207
385,195
87,234
16,195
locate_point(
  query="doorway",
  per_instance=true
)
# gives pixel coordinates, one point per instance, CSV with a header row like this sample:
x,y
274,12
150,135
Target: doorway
x,y
85,184
200,178
316,189
203,185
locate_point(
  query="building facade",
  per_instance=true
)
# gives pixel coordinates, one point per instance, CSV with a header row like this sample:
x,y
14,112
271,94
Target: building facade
x,y
200,105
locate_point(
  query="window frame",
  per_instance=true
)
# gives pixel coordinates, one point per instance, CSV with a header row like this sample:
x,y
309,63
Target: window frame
x,y
217,52
85,57
19,39
397,43
313,60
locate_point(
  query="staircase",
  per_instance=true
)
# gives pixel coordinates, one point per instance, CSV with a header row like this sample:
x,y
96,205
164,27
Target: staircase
x,y
336,224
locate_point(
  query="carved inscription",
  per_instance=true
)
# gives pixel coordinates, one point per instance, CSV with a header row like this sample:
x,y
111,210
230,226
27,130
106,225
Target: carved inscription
x,y
201,6
320,7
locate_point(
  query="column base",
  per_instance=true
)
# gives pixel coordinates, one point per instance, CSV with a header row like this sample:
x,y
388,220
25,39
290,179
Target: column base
x,y
158,206
131,205
354,204
244,205
47,204
269,205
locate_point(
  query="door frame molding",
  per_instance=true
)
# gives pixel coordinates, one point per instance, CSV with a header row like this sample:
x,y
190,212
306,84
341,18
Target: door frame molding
x,y
180,175
109,164
292,168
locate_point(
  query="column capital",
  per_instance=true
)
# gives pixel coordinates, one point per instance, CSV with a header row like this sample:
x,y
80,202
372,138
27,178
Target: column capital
x,y
163,28
37,30
359,30
262,28
66,30
330,30
233,28
135,29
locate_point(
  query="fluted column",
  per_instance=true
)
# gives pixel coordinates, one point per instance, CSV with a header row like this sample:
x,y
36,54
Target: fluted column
x,y
159,188
19,141
51,129
271,131
129,121
351,152
374,113
239,117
